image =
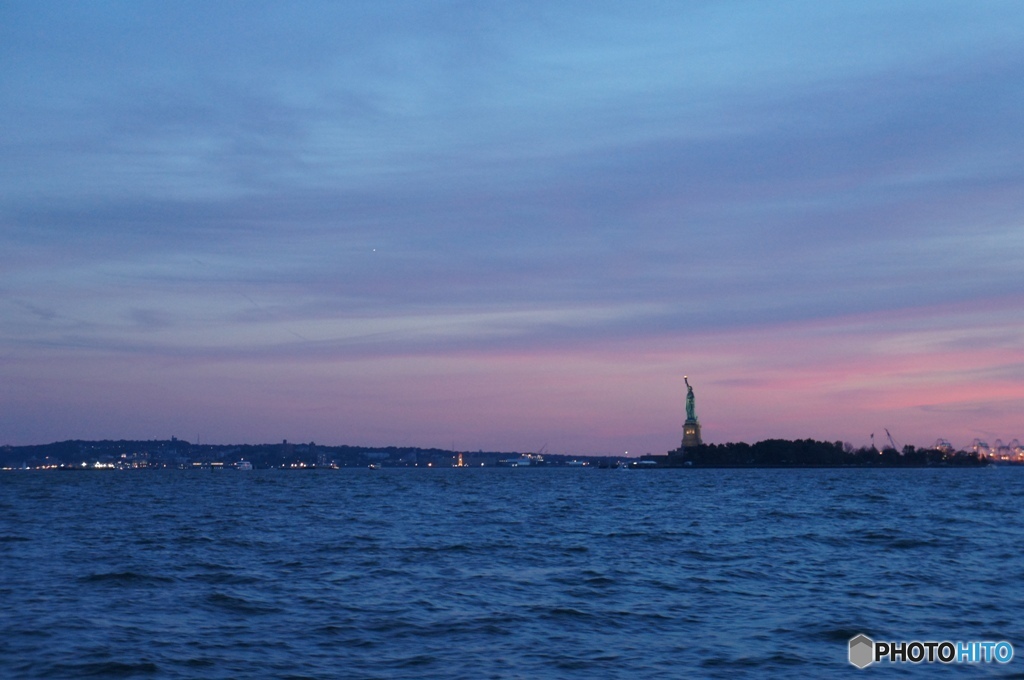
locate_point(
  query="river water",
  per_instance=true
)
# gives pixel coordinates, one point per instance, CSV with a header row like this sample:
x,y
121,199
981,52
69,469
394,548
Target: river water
x,y
503,573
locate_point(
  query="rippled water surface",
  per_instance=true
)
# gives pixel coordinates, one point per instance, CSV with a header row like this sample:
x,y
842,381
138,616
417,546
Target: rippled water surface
x,y
502,573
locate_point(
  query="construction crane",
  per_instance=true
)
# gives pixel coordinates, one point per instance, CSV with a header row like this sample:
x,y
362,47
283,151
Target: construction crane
x,y
892,442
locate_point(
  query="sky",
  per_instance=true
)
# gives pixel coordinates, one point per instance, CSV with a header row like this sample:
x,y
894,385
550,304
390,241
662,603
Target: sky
x,y
511,226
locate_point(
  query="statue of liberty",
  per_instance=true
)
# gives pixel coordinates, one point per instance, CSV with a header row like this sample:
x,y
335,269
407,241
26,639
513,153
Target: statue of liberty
x,y
691,409
691,428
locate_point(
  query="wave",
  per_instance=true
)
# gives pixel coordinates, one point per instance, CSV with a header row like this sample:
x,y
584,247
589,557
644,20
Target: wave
x,y
125,578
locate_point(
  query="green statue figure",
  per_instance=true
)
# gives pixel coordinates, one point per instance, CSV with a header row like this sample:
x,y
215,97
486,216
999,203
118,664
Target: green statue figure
x,y
691,409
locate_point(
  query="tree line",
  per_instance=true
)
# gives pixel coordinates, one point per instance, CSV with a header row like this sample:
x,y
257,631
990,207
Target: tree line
x,y
811,453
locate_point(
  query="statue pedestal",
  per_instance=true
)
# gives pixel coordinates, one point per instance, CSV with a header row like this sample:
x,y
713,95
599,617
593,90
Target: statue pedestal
x,y
691,433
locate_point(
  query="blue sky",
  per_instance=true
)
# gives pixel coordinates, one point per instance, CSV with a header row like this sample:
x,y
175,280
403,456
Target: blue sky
x,y
503,225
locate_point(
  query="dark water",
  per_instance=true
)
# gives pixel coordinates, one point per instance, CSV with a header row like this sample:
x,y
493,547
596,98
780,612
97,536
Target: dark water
x,y
503,573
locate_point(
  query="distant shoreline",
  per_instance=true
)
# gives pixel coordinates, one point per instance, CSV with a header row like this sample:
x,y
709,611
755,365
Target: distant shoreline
x,y
767,454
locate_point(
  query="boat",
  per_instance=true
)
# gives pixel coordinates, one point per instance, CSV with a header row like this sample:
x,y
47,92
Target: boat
x,y
243,465
524,460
